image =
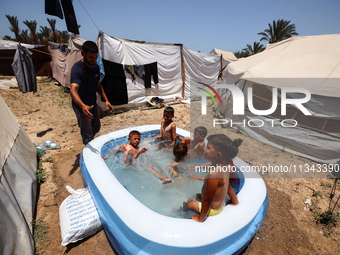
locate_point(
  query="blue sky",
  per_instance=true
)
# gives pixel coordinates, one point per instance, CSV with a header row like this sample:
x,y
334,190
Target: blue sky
x,y
200,25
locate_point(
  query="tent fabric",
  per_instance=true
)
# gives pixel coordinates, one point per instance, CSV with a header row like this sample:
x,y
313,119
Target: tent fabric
x,y
225,54
176,66
311,63
41,59
168,58
18,185
313,60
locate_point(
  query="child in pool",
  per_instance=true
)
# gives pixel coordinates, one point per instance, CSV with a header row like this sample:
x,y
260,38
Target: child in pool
x,y
131,151
180,151
196,146
168,128
220,151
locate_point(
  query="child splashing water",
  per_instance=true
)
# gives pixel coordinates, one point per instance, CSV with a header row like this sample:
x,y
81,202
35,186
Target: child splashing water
x,y
132,151
220,151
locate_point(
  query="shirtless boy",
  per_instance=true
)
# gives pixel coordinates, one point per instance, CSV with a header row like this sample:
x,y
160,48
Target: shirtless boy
x,y
220,151
196,146
168,127
131,151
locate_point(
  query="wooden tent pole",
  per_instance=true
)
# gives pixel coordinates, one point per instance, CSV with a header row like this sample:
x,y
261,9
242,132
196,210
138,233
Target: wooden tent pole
x,y
221,59
183,71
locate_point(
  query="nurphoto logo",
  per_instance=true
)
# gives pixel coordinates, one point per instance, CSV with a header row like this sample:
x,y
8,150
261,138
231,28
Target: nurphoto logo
x,y
239,105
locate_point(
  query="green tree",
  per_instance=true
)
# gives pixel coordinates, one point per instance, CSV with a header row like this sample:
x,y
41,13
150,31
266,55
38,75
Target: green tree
x,y
25,38
13,20
280,30
64,36
32,26
252,50
241,54
44,35
55,34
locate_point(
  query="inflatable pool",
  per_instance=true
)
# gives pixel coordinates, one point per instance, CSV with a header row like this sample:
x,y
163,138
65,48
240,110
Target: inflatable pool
x,y
133,228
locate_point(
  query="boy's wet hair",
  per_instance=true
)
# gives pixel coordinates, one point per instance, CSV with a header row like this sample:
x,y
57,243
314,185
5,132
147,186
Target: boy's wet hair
x,y
225,145
90,46
180,150
170,110
134,132
201,130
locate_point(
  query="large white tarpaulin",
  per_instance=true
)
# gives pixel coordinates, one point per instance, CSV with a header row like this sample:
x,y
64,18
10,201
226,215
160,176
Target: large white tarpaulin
x,y
311,63
18,185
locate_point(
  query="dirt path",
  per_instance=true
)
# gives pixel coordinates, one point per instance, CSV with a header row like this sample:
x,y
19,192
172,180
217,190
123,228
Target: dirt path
x,y
289,228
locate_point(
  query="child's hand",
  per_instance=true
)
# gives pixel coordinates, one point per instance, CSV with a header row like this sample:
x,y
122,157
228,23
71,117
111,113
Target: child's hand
x,y
144,149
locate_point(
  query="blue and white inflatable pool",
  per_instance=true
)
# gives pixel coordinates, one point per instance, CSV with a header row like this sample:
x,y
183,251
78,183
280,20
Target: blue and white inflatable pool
x,y
133,228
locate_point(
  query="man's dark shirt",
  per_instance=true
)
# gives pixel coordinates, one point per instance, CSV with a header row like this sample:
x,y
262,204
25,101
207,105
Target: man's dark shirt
x,y
87,79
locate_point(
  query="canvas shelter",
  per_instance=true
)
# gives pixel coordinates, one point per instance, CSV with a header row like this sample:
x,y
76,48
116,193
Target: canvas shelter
x,y
225,54
63,57
310,62
40,57
18,185
177,66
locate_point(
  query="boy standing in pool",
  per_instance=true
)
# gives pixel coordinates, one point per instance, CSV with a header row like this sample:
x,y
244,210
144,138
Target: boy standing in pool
x,y
131,151
196,146
168,127
220,151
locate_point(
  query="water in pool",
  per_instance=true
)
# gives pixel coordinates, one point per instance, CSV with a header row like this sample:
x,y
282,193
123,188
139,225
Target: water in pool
x,y
166,199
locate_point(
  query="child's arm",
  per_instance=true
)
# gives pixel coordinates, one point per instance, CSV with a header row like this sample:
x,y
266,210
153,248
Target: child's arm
x,y
121,148
158,175
173,133
171,167
233,197
200,149
211,186
142,150
195,177
160,135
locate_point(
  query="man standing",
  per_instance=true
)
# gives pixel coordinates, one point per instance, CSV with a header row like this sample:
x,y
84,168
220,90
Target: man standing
x,y
85,82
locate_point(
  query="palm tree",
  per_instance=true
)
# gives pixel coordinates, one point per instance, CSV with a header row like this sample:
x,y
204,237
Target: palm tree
x,y
252,50
64,36
32,26
14,26
54,32
25,37
279,31
44,35
241,54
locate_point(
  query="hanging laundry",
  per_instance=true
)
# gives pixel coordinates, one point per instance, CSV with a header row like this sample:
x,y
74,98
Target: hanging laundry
x,y
101,67
53,7
114,83
139,70
24,70
150,70
130,69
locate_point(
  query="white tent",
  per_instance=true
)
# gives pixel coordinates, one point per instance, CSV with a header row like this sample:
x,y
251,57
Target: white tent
x,y
225,54
18,185
312,63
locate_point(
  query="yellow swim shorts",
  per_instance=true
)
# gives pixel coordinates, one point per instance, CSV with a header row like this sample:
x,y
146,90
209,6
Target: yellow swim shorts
x,y
212,212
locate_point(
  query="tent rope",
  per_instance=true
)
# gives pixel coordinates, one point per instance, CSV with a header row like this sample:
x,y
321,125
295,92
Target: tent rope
x,y
34,49
89,15
35,109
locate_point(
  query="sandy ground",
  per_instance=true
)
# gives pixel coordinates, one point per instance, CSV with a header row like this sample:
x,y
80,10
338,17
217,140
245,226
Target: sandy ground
x,y
290,226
